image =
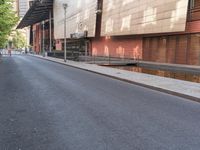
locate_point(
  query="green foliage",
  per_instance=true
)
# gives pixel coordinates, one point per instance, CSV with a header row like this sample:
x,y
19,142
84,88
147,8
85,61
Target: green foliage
x,y
8,20
19,40
1,2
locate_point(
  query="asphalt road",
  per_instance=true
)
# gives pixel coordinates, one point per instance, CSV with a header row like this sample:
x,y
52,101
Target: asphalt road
x,y
48,106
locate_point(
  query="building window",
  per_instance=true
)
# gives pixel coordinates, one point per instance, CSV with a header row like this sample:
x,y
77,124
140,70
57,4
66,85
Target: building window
x,y
194,4
191,5
194,10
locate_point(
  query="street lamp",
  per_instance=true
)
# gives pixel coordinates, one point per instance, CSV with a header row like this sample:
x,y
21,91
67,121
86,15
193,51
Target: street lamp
x,y
65,34
50,36
43,40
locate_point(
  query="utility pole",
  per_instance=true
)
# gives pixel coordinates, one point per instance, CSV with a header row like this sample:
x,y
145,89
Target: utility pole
x,y
65,34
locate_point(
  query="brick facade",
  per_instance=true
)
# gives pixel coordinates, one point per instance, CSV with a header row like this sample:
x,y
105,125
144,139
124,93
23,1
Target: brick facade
x,y
37,33
165,47
118,47
193,27
158,31
178,49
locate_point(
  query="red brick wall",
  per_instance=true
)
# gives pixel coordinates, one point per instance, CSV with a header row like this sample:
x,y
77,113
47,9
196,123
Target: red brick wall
x,y
117,47
36,38
177,49
194,50
181,49
193,27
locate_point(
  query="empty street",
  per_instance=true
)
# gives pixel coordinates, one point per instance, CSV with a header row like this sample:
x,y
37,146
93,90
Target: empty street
x,y
49,106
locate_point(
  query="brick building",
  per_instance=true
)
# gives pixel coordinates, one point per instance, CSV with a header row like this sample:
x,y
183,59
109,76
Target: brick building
x,y
159,31
150,30
39,17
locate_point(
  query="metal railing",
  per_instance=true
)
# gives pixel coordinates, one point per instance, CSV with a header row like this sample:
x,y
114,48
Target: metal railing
x,y
109,60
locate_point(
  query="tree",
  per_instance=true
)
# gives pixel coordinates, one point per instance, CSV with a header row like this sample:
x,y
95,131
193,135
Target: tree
x,y
8,20
19,40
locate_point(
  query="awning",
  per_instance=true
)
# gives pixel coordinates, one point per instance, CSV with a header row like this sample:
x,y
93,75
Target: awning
x,y
39,11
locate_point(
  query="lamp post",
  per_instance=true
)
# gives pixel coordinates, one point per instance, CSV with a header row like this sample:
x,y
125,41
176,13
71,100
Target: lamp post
x,y
65,34
43,36
50,38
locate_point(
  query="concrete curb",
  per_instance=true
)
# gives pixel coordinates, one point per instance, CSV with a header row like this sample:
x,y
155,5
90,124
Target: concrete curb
x,y
193,98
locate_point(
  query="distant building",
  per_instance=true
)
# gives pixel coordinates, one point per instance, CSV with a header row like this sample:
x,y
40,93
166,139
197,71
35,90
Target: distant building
x,y
23,7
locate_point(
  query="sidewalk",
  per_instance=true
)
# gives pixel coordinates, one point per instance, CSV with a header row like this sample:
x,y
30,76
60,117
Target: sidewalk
x,y
172,86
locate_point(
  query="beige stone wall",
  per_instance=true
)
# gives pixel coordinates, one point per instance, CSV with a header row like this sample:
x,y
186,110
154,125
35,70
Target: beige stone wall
x,y
81,16
125,17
